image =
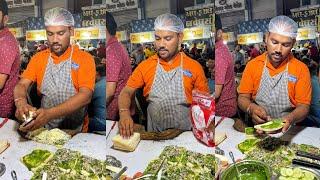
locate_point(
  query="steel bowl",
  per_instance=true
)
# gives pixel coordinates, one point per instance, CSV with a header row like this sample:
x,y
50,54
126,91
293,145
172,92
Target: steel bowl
x,y
245,167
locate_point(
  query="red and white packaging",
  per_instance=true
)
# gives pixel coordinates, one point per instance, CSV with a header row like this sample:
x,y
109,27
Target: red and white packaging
x,y
202,113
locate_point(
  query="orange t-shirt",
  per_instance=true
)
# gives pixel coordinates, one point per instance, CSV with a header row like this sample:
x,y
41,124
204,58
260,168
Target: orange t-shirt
x,y
193,77
299,84
82,75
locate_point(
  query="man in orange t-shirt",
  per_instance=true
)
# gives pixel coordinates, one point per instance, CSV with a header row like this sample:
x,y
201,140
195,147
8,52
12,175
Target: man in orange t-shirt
x,y
275,84
65,78
167,79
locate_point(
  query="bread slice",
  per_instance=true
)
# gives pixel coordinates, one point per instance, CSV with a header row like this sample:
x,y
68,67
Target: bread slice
x,y
126,144
219,137
4,144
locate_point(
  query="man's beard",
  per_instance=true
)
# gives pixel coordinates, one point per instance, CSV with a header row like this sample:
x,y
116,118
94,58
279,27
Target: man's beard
x,y
170,56
59,53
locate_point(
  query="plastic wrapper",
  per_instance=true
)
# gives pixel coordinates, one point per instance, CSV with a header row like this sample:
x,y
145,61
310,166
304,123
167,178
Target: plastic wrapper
x,y
202,117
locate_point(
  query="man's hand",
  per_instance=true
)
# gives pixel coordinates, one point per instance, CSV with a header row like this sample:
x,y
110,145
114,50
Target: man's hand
x,y
23,108
126,126
288,120
258,114
42,117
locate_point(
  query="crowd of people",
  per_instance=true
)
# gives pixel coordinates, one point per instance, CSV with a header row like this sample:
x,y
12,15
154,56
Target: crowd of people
x,y
277,78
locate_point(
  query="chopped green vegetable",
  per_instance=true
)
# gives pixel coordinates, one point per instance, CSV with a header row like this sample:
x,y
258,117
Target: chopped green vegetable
x,y
249,130
183,164
36,158
247,145
66,164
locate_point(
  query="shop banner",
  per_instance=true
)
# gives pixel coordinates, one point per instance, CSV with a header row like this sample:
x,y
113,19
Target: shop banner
x,y
193,33
196,33
36,35
142,37
121,35
90,33
19,3
223,6
306,33
251,38
93,16
119,5
305,18
201,16
188,34
17,32
228,37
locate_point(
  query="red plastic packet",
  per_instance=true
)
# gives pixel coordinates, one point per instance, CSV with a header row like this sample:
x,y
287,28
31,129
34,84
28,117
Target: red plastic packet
x,y
202,117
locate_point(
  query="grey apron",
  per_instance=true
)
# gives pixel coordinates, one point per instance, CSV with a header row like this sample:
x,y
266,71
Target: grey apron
x,y
273,93
57,87
168,107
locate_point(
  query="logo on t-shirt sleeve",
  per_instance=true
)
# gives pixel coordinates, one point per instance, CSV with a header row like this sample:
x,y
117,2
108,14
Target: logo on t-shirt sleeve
x,y
187,73
75,66
292,78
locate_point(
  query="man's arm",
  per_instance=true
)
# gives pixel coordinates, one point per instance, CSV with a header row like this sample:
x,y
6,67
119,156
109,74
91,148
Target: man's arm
x,y
43,116
126,122
297,115
244,100
20,96
111,89
217,91
3,79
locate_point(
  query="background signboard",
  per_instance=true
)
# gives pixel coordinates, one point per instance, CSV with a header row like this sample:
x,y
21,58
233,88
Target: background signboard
x,y
251,38
142,37
306,17
223,6
119,5
121,35
202,16
17,32
306,33
93,16
98,32
36,35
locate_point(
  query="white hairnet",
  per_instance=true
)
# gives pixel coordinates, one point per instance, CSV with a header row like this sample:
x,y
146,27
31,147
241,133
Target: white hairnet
x,y
168,22
283,25
58,17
